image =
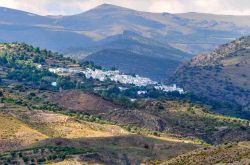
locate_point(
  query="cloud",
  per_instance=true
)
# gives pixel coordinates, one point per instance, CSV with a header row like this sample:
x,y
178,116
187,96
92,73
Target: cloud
x,y
63,7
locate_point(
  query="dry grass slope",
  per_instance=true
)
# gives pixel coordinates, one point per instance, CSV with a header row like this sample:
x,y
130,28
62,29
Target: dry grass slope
x,y
15,134
58,125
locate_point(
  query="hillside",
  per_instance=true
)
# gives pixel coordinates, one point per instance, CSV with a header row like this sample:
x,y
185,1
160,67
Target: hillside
x,y
44,136
64,117
39,131
66,132
158,69
15,134
135,43
132,53
232,153
183,120
222,76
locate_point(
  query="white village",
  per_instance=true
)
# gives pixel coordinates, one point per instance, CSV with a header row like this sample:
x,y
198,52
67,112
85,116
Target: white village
x,y
117,76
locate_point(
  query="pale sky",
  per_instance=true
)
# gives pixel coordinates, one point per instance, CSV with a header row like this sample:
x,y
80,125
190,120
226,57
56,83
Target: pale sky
x,y
69,7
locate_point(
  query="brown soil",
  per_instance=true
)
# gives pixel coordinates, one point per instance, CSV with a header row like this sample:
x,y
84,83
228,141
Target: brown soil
x,y
80,101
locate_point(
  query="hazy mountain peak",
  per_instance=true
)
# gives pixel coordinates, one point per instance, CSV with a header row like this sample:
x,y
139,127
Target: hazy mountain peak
x,y
109,7
106,5
129,33
104,8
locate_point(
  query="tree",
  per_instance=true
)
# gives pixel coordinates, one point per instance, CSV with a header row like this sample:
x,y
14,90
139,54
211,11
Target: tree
x,y
37,50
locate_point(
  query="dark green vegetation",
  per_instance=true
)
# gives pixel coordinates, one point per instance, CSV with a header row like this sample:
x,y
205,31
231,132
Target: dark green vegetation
x,y
222,78
88,120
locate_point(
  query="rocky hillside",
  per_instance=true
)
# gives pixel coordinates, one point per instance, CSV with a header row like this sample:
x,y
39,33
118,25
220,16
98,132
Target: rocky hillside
x,y
221,76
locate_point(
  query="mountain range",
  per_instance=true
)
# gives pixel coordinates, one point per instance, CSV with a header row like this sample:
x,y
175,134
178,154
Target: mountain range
x,y
133,41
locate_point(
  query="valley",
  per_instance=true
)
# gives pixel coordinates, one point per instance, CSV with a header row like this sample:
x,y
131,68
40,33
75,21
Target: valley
x,y
73,122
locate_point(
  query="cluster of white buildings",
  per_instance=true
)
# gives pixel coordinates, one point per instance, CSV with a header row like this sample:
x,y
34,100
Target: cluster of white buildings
x,y
167,88
117,76
103,75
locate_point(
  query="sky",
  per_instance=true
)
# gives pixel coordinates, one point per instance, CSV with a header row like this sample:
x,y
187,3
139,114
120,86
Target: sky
x,y
70,7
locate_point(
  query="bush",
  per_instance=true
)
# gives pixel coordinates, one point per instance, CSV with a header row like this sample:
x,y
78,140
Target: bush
x,y
62,156
41,160
20,155
25,159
